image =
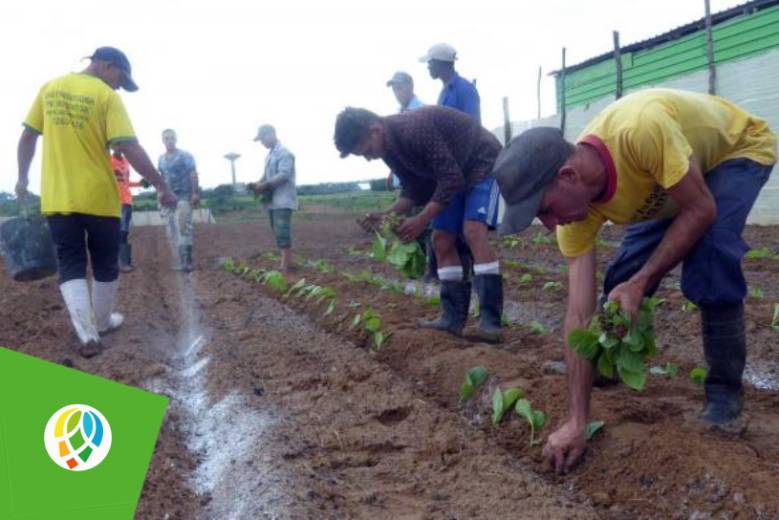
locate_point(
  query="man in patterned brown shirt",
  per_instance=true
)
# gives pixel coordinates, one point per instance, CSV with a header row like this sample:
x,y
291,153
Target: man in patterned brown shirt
x,y
444,160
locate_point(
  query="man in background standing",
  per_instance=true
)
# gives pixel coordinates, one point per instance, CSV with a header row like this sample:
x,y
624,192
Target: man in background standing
x,y
121,168
80,115
277,186
457,92
180,172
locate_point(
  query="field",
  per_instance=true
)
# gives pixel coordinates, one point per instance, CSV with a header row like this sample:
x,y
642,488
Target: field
x,y
282,407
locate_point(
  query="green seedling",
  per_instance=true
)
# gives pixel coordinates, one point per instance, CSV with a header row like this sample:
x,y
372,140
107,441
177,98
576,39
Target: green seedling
x,y
698,375
525,279
515,242
474,378
511,263
775,319
323,266
538,328
757,254
242,268
503,401
409,258
535,418
380,339
552,286
504,321
354,251
756,292
434,300
297,286
689,307
600,242
616,346
276,281
541,239
330,307
667,370
272,256
593,427
228,265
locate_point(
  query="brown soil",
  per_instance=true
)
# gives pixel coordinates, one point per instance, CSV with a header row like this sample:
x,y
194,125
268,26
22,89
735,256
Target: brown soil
x,y
281,411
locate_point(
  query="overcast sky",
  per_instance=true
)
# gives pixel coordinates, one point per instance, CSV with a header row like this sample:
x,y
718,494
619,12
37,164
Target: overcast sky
x,y
215,70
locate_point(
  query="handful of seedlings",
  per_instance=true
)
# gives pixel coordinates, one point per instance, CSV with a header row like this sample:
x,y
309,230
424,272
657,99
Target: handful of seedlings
x,y
616,346
409,258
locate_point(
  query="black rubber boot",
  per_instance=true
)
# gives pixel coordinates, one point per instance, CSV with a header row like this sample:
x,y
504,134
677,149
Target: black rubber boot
x,y
489,288
455,300
125,258
724,343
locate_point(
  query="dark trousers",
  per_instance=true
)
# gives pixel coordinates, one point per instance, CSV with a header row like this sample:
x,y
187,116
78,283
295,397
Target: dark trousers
x,y
76,233
124,225
711,273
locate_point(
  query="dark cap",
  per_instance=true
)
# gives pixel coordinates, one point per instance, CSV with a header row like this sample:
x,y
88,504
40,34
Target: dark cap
x,y
524,170
400,78
118,58
264,130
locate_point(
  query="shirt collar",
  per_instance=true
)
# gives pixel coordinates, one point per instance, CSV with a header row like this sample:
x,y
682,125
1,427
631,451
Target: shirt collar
x,y
605,156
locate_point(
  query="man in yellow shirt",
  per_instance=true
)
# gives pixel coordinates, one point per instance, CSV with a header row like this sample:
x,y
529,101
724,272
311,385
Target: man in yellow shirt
x,y
81,117
684,169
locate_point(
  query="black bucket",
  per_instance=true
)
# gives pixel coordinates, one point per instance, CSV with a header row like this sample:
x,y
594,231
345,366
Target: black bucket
x,y
27,248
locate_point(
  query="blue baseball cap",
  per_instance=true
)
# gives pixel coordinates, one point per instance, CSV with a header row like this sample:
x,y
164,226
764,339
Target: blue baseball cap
x,y
118,58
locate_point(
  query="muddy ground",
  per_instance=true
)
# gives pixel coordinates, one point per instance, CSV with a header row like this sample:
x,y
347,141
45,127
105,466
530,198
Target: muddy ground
x,y
283,410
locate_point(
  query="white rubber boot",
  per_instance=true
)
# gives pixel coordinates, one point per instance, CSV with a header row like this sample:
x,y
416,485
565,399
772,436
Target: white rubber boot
x,y
103,296
76,296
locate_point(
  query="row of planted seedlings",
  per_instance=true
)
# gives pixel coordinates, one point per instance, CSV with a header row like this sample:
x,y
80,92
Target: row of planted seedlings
x,y
342,314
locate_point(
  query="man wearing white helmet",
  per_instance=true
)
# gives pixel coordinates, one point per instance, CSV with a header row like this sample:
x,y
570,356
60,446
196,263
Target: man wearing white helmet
x,y
457,92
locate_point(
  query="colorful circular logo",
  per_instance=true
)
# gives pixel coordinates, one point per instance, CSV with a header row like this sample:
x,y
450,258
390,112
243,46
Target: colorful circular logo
x,y
77,437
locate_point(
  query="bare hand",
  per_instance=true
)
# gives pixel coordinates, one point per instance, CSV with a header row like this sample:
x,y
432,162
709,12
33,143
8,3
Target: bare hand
x,y
410,228
371,221
167,198
21,190
565,447
629,296
195,200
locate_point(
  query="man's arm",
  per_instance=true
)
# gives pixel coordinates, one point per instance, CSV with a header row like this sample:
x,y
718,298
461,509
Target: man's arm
x,y
697,211
139,159
193,176
567,444
24,154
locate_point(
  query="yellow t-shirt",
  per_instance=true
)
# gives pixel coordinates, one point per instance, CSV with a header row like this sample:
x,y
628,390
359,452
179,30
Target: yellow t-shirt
x,y
646,140
79,116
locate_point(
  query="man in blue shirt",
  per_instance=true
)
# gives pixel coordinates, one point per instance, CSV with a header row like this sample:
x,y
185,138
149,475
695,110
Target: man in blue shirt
x,y
457,92
179,171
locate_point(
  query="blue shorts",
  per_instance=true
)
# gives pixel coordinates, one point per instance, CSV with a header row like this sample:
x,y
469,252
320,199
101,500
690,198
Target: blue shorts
x,y
711,273
480,203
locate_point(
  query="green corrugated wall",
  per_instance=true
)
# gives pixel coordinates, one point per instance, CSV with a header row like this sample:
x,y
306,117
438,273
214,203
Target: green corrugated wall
x,y
735,39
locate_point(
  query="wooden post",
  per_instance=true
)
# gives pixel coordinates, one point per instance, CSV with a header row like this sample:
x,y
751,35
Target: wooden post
x,y
538,93
710,50
618,63
506,122
562,95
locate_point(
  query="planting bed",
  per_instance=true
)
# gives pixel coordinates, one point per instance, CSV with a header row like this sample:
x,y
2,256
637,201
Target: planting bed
x,y
284,407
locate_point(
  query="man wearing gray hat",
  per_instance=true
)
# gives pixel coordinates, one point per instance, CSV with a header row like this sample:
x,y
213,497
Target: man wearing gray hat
x,y
403,87
683,169
457,92
277,187
81,117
